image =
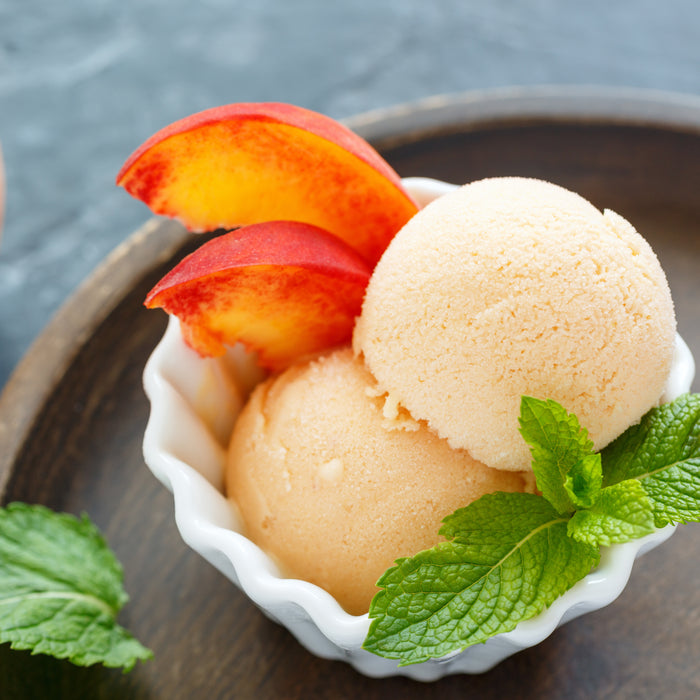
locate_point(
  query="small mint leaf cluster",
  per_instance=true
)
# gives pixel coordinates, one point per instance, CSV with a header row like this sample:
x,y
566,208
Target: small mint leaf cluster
x,y
570,476
508,556
61,589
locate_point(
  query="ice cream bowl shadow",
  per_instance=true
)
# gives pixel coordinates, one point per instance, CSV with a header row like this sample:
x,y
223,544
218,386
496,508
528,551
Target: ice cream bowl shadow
x,y
194,404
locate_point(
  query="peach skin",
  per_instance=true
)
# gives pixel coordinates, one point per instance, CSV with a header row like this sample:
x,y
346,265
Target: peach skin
x,y
248,163
284,289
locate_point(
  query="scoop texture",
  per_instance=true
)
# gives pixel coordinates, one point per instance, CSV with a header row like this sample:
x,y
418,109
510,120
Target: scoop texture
x,y
335,491
513,286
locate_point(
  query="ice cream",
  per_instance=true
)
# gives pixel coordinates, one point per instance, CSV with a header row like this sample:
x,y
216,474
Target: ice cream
x,y
512,286
333,490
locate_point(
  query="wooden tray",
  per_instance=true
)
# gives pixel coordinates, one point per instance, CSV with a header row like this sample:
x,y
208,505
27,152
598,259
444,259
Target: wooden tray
x,y
73,414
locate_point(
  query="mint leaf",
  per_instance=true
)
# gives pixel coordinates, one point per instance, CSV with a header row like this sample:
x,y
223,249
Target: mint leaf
x,y
663,453
557,443
508,559
584,481
61,589
510,555
621,513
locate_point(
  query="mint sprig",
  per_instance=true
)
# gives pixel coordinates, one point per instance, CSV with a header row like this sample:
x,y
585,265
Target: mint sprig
x,y
508,556
61,589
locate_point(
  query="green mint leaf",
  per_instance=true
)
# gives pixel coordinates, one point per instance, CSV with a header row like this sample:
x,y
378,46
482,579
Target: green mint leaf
x,y
508,559
663,453
622,512
61,589
557,443
584,481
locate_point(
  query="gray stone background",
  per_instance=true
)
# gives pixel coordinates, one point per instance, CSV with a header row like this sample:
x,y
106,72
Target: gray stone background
x,y
83,82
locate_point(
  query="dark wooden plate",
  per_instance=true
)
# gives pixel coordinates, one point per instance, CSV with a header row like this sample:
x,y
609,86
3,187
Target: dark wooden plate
x,y
73,414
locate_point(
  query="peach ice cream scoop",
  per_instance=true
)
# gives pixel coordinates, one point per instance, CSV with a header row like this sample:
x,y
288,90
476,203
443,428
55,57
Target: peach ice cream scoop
x,y
333,490
513,286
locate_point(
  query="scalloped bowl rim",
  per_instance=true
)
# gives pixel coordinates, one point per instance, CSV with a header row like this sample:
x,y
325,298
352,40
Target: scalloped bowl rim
x,y
185,448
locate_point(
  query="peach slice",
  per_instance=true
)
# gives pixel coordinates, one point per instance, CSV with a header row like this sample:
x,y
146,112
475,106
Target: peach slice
x,y
247,163
282,288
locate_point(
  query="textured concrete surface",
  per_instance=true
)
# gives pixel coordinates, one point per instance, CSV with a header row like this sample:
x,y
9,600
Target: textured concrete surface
x,y
83,82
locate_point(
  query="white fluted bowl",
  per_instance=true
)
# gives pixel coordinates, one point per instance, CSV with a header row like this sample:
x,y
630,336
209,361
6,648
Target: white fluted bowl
x,y
194,403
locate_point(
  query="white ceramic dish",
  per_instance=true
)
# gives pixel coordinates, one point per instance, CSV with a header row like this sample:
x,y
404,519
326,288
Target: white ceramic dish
x,y
194,403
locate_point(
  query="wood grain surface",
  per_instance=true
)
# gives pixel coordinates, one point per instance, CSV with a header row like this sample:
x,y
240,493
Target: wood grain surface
x,y
73,414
